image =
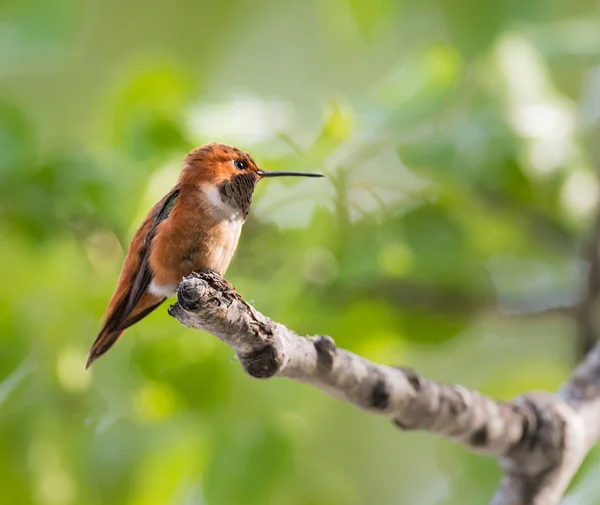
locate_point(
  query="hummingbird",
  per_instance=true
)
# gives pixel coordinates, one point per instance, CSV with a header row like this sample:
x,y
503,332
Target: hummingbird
x,y
195,226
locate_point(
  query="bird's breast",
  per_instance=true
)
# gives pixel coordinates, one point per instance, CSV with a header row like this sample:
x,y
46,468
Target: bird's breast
x,y
198,235
222,245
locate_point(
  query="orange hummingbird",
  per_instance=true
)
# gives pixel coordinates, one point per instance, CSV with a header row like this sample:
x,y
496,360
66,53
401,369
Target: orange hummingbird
x,y
196,226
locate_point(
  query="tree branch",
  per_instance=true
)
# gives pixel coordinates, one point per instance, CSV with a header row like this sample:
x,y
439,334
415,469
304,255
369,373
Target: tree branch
x,y
540,438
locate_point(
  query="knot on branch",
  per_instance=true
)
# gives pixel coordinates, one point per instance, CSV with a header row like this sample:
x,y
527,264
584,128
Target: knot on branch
x,y
203,288
325,347
542,444
261,364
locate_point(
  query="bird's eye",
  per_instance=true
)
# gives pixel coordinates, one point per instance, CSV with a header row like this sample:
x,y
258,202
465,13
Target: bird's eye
x,y
239,164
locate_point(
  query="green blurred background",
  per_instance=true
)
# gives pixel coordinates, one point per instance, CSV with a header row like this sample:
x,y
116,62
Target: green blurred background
x,y
458,137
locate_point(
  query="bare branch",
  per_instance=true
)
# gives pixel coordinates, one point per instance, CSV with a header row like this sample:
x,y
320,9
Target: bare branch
x,y
540,439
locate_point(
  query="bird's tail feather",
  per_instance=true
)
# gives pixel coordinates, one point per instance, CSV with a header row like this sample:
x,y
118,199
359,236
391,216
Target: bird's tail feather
x,y
104,341
111,331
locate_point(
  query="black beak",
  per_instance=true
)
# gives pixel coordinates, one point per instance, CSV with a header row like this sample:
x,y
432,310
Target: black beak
x,y
263,173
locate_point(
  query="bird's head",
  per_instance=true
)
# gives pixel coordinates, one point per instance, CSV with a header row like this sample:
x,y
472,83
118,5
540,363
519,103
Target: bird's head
x,y
232,171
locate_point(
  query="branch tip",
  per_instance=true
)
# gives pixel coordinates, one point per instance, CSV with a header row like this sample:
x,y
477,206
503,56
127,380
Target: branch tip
x,y
189,293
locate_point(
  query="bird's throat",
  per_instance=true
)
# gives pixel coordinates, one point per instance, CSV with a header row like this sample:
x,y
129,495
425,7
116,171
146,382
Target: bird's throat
x,y
238,192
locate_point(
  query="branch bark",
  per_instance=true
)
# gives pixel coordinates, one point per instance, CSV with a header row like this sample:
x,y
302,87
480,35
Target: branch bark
x,y
540,439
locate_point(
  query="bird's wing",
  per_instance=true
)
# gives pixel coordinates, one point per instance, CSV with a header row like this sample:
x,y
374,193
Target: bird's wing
x,y
131,300
117,318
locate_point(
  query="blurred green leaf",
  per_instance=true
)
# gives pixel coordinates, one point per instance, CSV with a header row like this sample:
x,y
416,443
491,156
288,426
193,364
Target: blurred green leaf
x,y
16,141
372,16
52,25
149,109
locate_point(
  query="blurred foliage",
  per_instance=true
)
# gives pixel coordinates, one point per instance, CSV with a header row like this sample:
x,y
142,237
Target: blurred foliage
x,y
460,144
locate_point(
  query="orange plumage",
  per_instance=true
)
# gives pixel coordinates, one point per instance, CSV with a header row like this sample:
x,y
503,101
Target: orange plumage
x,y
196,226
